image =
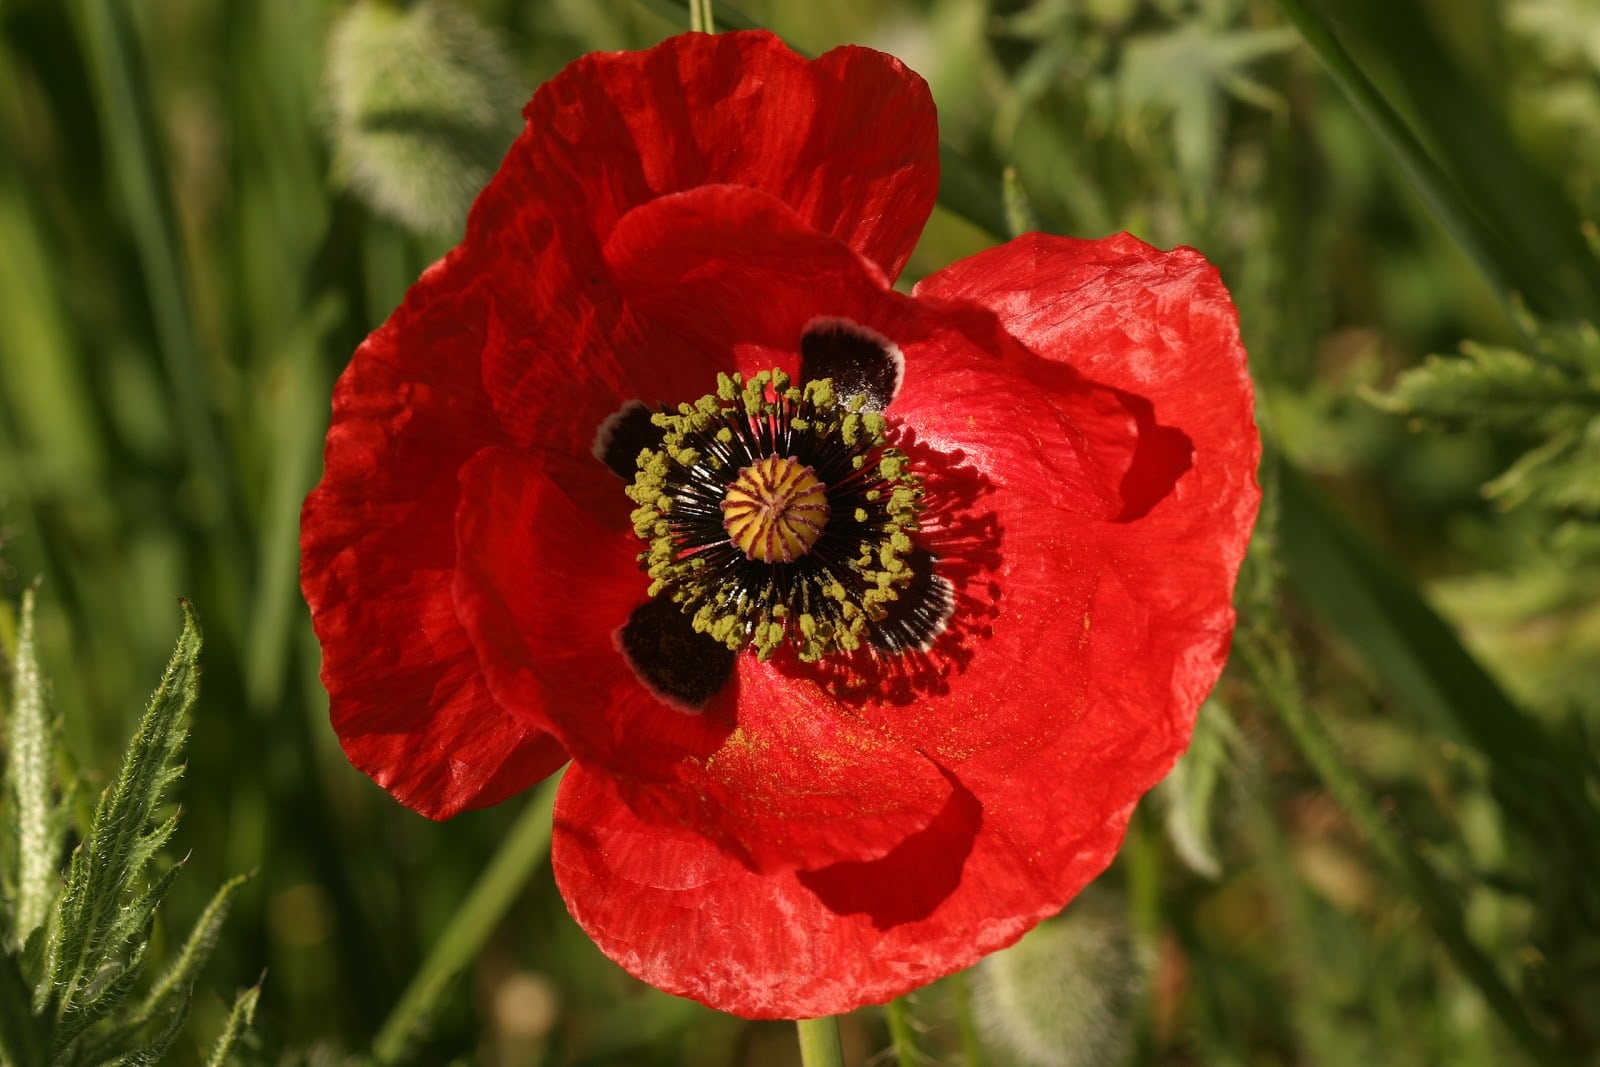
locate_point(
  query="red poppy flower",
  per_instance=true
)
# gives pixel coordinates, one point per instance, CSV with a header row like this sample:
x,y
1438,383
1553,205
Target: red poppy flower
x,y
864,617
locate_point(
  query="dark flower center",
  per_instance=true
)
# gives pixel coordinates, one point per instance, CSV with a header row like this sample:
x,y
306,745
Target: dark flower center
x,y
775,513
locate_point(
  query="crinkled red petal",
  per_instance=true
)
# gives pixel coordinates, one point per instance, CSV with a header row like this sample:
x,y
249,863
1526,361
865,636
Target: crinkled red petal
x,y
543,584
1089,460
679,914
615,130
378,552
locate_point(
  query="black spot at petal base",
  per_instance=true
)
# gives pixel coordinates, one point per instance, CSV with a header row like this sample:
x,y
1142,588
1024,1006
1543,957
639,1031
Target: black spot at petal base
x,y
626,433
682,666
915,619
859,361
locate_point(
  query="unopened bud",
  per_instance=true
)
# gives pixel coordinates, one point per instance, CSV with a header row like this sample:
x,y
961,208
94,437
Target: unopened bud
x,y
425,103
1064,996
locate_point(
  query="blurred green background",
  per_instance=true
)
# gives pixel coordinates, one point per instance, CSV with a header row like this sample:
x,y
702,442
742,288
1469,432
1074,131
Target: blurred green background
x,y
1373,855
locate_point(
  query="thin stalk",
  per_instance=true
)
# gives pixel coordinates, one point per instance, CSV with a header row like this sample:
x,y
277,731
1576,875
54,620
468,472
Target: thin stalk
x,y
902,1037
819,1042
701,17
971,1047
523,850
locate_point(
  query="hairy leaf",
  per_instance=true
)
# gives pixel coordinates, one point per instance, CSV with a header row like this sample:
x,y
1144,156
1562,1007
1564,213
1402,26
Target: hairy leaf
x,y
105,904
1492,388
239,1020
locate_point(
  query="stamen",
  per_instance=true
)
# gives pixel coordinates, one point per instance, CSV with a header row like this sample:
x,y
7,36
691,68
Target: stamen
x,y
778,514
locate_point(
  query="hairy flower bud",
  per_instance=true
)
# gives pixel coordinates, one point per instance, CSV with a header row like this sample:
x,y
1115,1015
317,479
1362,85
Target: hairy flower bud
x,y
424,104
1064,995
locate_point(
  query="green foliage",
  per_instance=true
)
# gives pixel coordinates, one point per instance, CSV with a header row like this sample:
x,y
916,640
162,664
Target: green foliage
x,y
75,951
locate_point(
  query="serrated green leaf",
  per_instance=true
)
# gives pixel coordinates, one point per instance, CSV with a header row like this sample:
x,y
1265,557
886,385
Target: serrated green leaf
x,y
1491,388
105,991
91,925
153,1053
196,950
37,825
1563,474
239,1022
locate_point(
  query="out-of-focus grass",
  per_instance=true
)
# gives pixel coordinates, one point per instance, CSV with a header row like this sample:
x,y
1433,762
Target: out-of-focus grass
x,y
180,282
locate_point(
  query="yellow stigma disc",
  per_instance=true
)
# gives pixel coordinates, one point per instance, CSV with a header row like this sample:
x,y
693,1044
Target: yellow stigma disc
x,y
775,510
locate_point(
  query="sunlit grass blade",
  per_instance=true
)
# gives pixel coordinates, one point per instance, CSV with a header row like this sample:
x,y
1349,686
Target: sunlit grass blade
x,y
128,128
1513,224
524,849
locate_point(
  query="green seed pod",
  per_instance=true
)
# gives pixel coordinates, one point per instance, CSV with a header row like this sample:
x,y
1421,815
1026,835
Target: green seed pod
x,y
1064,996
424,104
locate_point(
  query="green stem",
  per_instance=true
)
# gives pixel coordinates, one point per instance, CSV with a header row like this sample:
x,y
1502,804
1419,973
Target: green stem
x,y
523,850
701,17
900,1033
971,1047
819,1042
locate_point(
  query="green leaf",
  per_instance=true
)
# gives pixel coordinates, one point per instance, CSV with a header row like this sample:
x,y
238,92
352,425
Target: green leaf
x,y
1189,791
174,984
1563,474
1493,388
1020,216
420,120
103,907
1511,221
38,824
239,1020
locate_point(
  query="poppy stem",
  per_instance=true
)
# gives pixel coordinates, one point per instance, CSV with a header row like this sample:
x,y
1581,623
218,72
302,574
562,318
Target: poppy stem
x,y
971,1047
901,1034
819,1042
526,846
702,19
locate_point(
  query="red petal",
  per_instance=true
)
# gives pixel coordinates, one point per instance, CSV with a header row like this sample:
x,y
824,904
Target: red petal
x,y
687,919
735,272
613,131
776,777
378,548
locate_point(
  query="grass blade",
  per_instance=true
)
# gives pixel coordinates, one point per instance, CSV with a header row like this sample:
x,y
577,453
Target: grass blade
x,y
1550,266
